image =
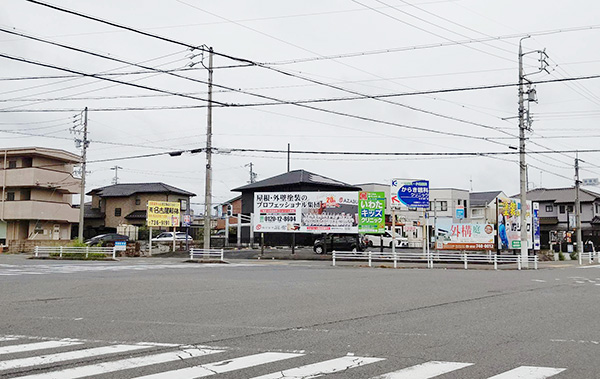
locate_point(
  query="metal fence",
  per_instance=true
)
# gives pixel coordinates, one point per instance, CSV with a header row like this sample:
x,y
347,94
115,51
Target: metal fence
x,y
206,253
435,258
61,251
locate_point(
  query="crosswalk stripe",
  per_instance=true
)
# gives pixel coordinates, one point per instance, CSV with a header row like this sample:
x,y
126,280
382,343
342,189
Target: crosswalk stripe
x,y
69,355
123,364
425,370
529,372
36,346
209,369
317,369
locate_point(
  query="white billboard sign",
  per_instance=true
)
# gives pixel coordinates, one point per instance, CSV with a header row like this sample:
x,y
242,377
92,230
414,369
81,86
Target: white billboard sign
x,y
306,212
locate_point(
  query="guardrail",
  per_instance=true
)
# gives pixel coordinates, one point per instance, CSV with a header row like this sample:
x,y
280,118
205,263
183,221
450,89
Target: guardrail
x,y
589,256
61,251
432,258
206,253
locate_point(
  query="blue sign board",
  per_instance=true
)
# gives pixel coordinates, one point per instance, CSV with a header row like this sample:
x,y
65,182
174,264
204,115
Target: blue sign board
x,y
460,213
413,194
120,245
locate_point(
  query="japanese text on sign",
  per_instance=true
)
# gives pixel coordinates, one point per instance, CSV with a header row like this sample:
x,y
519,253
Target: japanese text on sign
x,y
371,212
163,213
409,193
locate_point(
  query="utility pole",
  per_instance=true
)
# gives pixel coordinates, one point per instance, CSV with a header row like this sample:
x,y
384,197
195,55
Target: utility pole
x,y
116,178
84,144
253,175
522,164
578,210
288,158
531,96
208,182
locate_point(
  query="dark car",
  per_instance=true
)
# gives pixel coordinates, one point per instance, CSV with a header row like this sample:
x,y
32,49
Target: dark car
x,y
338,242
109,237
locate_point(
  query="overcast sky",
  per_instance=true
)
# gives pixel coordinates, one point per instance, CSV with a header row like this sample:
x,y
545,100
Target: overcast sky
x,y
409,46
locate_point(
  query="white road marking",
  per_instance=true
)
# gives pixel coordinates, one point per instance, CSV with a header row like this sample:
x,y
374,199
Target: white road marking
x,y
2,339
529,372
209,369
321,368
538,280
592,266
36,346
67,356
425,370
123,364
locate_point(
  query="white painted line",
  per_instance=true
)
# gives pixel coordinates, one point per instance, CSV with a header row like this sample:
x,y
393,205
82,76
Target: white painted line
x,y
592,266
123,364
67,356
538,280
2,339
529,372
36,346
425,370
209,369
317,369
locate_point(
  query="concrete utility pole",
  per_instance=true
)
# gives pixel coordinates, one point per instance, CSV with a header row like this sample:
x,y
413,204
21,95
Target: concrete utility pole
x,y
116,178
208,182
522,164
84,144
531,96
578,210
253,175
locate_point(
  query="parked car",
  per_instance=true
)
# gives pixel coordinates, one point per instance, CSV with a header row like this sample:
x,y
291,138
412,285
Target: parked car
x,y
109,237
168,236
375,240
342,242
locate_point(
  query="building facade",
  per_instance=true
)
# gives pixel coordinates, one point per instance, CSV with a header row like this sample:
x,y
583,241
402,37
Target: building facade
x,y
126,204
37,190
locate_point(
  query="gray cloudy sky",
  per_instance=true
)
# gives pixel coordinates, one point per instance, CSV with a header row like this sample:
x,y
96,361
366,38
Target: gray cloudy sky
x,y
408,46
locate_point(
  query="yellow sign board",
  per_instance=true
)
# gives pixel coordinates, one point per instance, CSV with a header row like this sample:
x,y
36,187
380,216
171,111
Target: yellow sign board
x,y
163,213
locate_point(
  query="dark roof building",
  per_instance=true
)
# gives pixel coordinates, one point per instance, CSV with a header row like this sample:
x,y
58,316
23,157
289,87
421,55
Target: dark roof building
x,y
293,181
128,189
482,199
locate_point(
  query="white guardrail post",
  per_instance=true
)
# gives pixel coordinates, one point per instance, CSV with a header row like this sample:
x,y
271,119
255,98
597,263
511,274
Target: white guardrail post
x,y
519,262
535,262
333,256
222,254
395,259
465,258
370,259
61,251
191,253
87,251
495,261
114,252
37,249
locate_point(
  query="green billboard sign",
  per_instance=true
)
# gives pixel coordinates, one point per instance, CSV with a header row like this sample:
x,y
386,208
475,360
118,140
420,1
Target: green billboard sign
x,y
371,212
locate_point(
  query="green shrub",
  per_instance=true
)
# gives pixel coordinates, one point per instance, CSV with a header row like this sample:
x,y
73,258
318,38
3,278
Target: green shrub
x,y
561,256
574,256
77,243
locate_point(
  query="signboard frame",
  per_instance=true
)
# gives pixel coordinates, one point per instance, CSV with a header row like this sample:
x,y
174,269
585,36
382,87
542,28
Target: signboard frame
x,y
163,213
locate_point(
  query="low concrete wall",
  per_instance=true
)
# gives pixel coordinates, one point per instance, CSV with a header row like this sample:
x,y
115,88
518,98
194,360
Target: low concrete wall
x,y
28,246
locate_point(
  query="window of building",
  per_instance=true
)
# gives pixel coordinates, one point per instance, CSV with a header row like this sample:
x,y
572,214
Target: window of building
x,y
550,208
459,202
443,205
27,162
10,196
117,212
570,208
12,164
597,208
25,194
561,209
183,205
137,201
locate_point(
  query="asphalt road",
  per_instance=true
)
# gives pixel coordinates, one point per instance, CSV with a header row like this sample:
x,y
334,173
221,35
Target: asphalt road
x,y
295,319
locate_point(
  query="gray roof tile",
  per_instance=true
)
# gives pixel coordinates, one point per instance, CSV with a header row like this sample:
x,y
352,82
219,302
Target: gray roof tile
x,y
128,189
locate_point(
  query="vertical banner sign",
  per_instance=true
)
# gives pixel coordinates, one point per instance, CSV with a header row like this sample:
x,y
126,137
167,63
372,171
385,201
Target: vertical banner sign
x,y
537,235
409,193
163,213
371,212
509,223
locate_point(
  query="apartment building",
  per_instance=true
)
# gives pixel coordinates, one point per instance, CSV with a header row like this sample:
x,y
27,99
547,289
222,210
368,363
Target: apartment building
x,y
37,190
